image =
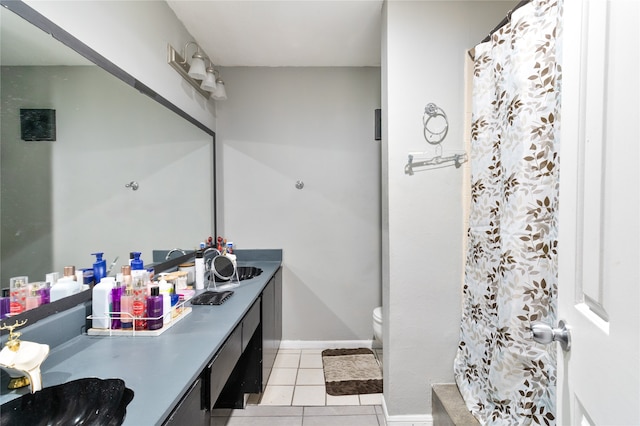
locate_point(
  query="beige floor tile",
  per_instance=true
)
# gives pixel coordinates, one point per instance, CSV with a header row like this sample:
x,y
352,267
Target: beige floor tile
x,y
368,420
283,376
310,360
309,395
277,395
267,411
310,376
371,399
343,400
256,421
332,410
297,380
289,351
287,360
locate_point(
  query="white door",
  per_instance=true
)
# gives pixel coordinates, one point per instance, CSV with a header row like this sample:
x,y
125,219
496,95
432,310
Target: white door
x,y
599,256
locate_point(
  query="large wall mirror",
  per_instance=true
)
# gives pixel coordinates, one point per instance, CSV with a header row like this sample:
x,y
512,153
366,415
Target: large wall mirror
x,y
67,198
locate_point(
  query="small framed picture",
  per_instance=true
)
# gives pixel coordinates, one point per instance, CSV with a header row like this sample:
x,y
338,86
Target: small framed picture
x,y
38,124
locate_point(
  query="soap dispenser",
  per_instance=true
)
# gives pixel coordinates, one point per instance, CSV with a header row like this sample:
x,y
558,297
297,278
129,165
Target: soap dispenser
x,y
99,267
136,262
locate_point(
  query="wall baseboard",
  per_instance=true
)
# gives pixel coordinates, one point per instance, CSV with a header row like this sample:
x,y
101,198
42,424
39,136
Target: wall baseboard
x,y
406,419
325,344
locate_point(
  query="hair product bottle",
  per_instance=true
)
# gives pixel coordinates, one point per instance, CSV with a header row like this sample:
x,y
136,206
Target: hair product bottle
x,y
45,293
102,303
199,270
166,290
154,309
116,295
5,304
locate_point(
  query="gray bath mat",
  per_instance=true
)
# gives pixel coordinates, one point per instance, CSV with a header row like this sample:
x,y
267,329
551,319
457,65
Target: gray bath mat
x,y
351,372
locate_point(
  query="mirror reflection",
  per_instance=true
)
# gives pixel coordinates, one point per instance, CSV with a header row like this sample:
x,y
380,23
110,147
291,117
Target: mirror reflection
x,y
67,198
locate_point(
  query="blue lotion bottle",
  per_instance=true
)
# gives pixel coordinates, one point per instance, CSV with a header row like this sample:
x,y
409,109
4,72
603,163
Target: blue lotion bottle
x,y
136,262
99,268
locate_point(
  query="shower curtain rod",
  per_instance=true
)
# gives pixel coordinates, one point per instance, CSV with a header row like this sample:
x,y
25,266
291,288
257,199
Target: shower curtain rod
x,y
505,20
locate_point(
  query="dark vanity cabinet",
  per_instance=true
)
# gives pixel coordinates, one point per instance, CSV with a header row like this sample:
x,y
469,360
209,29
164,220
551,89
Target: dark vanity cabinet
x,y
230,380
242,365
271,325
260,343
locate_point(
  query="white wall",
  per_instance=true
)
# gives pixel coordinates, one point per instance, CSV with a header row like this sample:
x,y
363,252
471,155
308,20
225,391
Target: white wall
x,y
134,36
316,125
424,47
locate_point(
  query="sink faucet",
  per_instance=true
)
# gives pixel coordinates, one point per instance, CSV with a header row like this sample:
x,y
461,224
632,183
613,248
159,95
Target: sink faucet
x,y
173,251
22,360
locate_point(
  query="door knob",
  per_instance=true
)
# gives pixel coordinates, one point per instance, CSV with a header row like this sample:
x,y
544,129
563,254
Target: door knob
x,y
543,333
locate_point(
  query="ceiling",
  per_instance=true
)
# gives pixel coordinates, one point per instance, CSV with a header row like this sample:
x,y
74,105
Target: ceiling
x,y
274,33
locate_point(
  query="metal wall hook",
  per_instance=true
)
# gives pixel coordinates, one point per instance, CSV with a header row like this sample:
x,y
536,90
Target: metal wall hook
x,y
133,185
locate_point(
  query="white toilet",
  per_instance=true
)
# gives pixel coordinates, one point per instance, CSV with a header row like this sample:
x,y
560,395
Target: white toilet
x,y
377,323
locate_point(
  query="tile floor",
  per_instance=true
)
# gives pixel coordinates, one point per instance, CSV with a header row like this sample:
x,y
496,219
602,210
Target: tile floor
x,y
295,395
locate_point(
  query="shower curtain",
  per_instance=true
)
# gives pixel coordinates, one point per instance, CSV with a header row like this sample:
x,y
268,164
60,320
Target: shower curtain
x,y
505,377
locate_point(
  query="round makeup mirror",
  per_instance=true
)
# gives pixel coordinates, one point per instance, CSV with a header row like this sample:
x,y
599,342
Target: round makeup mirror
x,y
223,267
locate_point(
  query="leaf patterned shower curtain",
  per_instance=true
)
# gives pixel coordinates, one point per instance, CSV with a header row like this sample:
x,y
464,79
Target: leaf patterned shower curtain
x,y
505,377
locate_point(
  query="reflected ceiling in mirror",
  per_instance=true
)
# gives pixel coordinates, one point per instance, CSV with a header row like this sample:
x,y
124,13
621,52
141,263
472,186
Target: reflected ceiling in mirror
x,y
65,199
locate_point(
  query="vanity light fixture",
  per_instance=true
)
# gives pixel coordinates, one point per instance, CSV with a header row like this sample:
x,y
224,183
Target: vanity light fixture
x,y
204,79
220,93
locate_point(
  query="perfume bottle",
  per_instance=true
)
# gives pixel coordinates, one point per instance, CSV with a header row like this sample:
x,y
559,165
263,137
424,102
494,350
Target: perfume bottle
x,y
126,308
126,276
18,294
139,278
33,300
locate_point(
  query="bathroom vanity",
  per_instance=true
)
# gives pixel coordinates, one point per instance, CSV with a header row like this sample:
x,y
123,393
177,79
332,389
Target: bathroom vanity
x,y
210,358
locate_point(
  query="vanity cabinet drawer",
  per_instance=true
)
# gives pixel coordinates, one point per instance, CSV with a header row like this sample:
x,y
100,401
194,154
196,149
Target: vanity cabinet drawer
x,y
224,362
250,323
189,411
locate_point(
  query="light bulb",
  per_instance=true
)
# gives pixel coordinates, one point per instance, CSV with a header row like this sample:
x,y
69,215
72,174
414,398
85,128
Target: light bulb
x,y
220,93
209,83
197,70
